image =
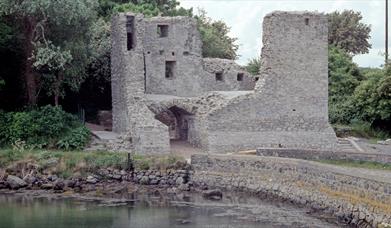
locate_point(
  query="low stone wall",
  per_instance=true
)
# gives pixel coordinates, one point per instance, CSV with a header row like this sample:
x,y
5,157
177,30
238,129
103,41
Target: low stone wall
x,y
323,154
359,197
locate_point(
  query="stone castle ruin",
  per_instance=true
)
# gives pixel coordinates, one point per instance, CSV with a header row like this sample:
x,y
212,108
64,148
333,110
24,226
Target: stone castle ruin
x,y
163,90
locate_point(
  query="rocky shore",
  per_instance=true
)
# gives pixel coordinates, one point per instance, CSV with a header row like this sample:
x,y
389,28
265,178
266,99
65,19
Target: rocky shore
x,y
320,188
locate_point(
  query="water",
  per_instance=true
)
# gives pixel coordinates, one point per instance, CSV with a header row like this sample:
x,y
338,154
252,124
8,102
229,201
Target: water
x,y
23,212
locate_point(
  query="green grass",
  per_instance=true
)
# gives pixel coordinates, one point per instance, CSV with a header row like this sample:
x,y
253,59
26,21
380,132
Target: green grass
x,y
360,129
358,164
66,163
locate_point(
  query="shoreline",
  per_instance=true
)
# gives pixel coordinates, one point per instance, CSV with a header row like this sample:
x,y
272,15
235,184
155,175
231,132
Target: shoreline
x,y
323,190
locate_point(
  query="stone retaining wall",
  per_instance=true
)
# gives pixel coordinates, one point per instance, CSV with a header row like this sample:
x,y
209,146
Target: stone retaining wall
x,y
359,197
323,154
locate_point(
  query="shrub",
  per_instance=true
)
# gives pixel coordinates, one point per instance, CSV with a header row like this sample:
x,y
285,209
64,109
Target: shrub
x,y
76,139
45,127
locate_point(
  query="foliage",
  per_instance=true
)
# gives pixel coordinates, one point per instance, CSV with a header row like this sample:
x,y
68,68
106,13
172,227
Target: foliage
x,y
346,31
50,25
372,98
254,66
44,127
344,76
215,39
75,139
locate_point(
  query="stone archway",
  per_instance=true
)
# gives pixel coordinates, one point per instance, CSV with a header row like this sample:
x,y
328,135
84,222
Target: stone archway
x,y
177,120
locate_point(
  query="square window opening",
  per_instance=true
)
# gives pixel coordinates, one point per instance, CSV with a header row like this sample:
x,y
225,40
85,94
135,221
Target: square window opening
x,y
162,30
256,78
239,77
219,76
170,69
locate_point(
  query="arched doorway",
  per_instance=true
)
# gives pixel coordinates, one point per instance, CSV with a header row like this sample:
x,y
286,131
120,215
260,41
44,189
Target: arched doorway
x,y
177,120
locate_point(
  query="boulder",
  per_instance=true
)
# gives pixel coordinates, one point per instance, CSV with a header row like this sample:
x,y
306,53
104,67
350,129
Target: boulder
x,y
30,179
184,187
15,182
214,194
144,180
47,186
91,180
3,184
179,181
59,184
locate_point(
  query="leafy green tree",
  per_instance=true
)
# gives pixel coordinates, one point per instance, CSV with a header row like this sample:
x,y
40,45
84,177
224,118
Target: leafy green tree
x,y
344,76
346,31
372,98
254,66
216,41
54,36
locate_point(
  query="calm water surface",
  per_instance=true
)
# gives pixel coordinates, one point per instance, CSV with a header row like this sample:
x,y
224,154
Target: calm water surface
x,y
23,212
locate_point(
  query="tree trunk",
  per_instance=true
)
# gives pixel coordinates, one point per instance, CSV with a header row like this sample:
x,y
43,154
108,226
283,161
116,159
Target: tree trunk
x,y
60,77
29,76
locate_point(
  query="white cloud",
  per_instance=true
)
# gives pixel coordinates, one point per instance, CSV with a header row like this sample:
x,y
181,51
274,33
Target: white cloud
x,y
245,19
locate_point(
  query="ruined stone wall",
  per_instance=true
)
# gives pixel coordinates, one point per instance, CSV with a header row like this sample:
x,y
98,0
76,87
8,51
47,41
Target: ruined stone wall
x,y
289,106
181,47
130,113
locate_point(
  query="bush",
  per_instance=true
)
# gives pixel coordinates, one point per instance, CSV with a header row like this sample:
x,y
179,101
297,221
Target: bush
x,y
45,127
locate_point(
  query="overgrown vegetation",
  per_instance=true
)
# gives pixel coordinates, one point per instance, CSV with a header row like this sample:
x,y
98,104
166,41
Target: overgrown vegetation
x,y
79,162
358,97
45,127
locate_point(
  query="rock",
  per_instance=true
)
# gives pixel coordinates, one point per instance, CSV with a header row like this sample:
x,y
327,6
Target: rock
x,y
3,185
214,194
91,180
30,179
144,180
52,177
381,142
70,183
154,182
47,186
116,177
184,187
387,142
179,181
15,182
59,185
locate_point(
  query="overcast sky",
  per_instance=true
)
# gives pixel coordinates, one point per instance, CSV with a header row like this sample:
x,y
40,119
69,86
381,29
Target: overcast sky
x,y
245,19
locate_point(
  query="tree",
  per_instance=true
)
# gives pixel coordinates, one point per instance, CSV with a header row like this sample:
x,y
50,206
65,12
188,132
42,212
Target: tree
x,y
254,66
216,41
54,33
346,31
344,77
372,98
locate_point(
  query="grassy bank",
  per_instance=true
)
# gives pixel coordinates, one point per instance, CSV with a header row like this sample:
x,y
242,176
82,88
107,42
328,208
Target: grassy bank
x,y
362,130
358,164
68,163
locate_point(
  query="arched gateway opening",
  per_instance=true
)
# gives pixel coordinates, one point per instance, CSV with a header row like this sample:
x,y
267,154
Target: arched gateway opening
x,y
177,120
181,129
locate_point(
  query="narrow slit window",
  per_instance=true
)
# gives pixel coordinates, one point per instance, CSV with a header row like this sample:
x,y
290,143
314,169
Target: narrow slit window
x,y
162,30
219,76
129,32
170,69
239,77
307,21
